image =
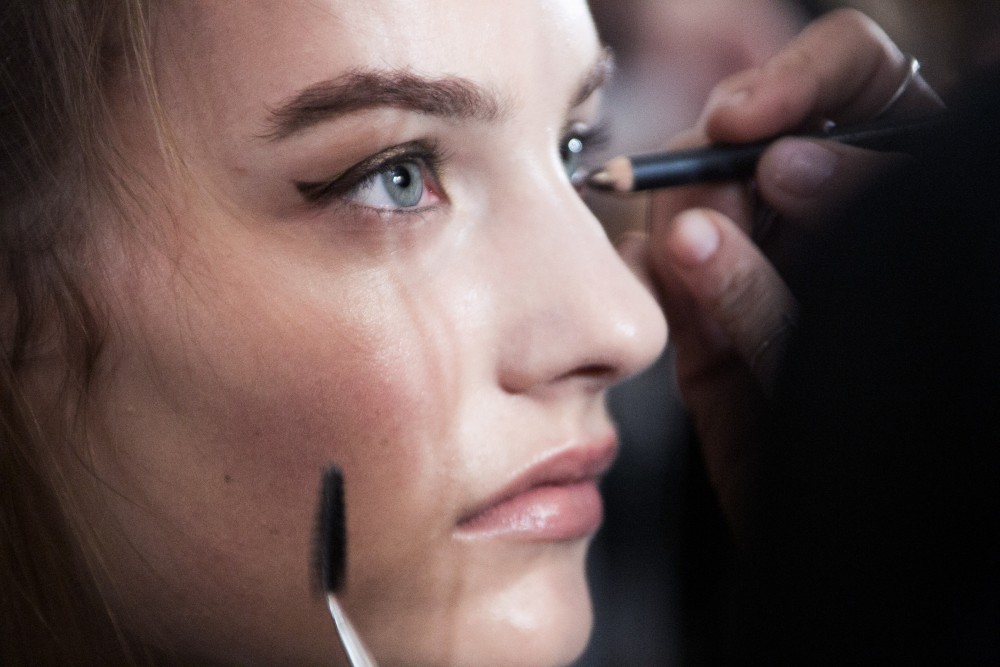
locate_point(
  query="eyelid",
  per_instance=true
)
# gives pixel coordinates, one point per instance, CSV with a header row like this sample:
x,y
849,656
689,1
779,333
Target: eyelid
x,y
321,192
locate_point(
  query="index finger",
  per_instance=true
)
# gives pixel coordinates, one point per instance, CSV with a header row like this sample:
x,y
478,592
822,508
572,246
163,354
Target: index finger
x,y
842,67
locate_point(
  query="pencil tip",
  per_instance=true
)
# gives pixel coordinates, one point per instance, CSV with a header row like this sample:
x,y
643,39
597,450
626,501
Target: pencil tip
x,y
614,176
600,180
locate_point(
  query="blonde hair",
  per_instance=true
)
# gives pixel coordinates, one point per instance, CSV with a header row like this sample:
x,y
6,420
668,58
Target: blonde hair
x,y
59,65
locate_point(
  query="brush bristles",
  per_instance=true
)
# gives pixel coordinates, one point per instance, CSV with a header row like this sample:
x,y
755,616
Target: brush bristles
x,y
331,547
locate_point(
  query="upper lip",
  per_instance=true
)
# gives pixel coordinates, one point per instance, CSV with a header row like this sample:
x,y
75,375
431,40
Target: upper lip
x,y
566,465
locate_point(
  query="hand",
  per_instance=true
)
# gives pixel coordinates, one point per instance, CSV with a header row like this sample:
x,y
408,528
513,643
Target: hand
x,y
728,308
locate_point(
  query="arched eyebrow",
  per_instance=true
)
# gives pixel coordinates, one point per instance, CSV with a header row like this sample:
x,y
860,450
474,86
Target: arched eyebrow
x,y
450,97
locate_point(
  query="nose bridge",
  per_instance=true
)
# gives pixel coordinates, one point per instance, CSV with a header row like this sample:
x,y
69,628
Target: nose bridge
x,y
574,309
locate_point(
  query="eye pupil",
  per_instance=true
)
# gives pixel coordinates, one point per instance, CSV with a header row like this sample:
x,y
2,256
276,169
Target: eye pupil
x,y
400,177
404,184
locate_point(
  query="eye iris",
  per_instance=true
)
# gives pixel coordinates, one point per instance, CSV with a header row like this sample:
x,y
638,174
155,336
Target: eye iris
x,y
404,184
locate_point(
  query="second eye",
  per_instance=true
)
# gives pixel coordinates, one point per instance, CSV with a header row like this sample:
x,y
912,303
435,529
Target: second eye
x,y
578,143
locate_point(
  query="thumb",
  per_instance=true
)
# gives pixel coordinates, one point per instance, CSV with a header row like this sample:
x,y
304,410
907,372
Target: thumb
x,y
724,280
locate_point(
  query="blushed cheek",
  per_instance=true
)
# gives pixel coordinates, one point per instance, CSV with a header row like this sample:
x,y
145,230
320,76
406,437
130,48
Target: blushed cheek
x,y
376,396
228,444
373,408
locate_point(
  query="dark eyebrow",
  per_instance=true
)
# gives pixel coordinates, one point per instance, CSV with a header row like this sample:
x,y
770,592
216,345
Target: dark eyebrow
x,y
448,97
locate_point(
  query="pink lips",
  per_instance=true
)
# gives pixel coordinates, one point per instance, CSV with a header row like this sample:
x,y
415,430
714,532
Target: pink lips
x,y
556,499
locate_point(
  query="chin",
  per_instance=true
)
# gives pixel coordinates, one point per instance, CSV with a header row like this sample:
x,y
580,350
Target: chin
x,y
536,615
529,609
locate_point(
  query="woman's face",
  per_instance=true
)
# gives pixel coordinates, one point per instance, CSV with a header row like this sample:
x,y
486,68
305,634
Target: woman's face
x,y
373,257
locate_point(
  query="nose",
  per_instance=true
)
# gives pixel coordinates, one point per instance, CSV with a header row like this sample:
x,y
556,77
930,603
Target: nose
x,y
573,313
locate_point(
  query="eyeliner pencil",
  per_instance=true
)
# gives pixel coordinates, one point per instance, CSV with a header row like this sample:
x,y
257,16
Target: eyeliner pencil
x,y
730,162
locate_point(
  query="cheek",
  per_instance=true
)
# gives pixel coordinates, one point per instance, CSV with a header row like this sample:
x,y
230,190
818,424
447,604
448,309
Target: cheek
x,y
226,402
276,383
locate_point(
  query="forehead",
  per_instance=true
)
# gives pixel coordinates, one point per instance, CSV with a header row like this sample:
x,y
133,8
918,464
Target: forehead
x,y
266,50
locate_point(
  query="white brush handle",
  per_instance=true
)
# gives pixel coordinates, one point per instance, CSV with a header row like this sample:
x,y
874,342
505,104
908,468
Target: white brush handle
x,y
355,649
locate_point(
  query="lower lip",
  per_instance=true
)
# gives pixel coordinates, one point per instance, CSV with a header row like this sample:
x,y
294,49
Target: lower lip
x,y
548,513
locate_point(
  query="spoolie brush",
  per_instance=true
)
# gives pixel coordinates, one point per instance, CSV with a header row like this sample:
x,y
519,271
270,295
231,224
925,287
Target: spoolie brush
x,y
330,562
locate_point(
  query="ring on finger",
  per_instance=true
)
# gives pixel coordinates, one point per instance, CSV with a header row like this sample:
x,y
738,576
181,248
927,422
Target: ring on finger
x,y
912,70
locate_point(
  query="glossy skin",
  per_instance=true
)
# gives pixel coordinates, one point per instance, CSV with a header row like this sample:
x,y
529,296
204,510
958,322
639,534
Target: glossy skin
x,y
438,354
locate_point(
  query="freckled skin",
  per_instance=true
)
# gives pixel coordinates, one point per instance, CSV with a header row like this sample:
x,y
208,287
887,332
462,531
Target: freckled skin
x,y
431,356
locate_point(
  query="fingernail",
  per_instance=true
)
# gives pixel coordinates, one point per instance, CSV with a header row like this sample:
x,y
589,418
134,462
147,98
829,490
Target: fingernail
x,y
804,167
729,100
695,238
736,98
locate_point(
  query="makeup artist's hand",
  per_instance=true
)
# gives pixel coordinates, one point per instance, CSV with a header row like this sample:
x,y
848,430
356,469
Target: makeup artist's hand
x,y
717,275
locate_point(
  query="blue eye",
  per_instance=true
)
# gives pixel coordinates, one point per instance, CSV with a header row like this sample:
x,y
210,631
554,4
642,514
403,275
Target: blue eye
x,y
398,185
401,178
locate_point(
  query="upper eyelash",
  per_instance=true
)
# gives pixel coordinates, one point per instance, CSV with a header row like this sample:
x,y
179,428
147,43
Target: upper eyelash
x,y
368,169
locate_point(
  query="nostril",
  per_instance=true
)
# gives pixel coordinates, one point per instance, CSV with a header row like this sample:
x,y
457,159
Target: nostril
x,y
603,374
589,377
595,370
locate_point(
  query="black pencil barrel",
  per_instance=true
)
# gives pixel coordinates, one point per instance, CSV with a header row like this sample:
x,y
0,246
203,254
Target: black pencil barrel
x,y
729,162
